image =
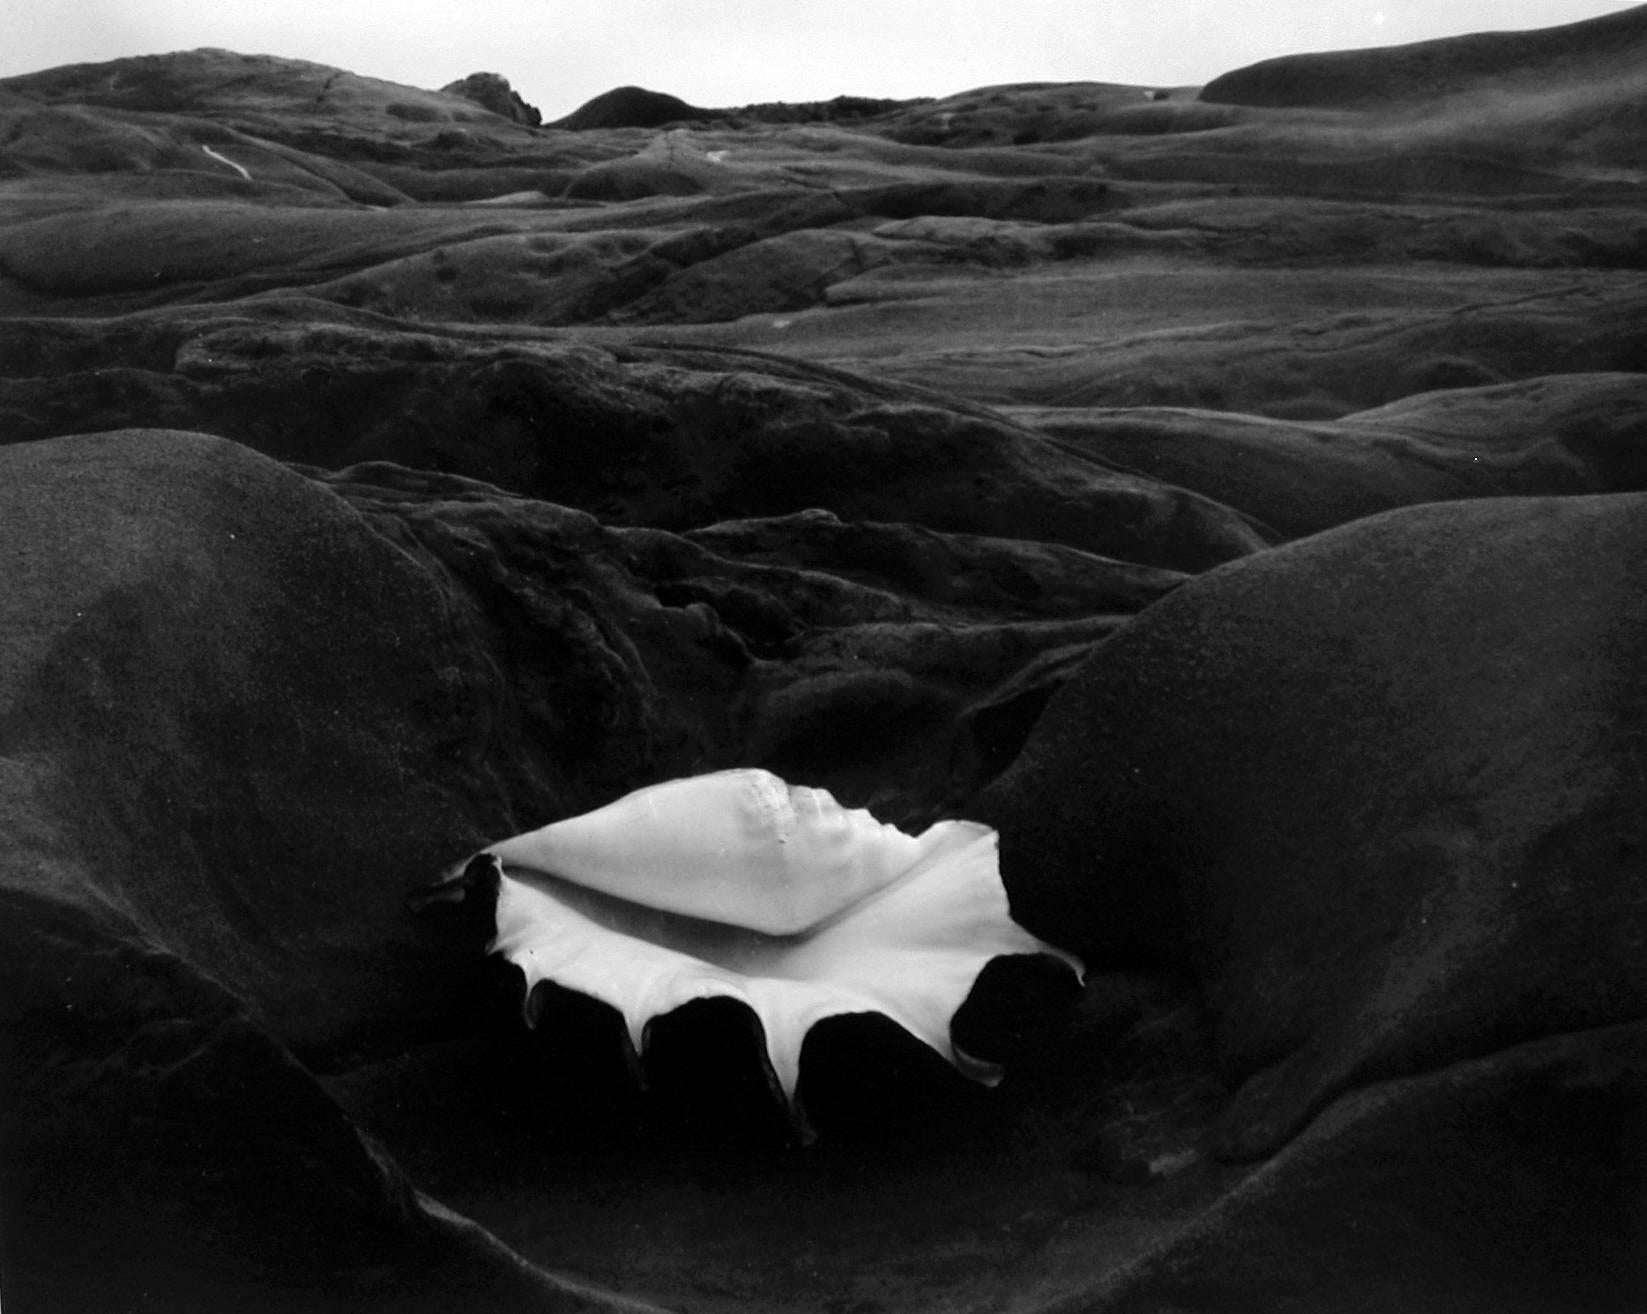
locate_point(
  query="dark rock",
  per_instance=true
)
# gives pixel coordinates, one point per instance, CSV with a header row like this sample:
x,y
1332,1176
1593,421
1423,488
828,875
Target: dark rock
x,y
1577,433
675,440
159,1141
1584,50
874,659
838,110
492,91
629,107
216,679
1507,1183
638,178
1375,790
293,101
258,709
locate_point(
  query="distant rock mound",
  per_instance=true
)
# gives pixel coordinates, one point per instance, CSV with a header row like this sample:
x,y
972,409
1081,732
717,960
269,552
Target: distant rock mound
x,y
630,107
840,109
203,81
1572,52
492,91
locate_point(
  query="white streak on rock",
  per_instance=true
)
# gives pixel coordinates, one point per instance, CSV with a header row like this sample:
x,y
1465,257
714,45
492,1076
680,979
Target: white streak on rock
x,y
223,159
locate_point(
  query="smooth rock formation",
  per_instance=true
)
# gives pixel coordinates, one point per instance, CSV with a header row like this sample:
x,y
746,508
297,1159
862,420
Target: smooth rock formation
x,y
1571,433
215,676
1377,791
629,107
1584,51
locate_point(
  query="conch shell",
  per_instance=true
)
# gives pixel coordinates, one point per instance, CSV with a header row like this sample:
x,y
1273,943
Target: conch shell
x,y
737,884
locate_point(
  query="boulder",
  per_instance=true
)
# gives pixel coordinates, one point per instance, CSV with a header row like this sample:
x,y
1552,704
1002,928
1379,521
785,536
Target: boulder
x,y
492,91
229,717
1378,791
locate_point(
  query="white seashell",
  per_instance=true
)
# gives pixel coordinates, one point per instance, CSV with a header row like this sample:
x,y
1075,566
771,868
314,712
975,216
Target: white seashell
x,y
741,847
739,885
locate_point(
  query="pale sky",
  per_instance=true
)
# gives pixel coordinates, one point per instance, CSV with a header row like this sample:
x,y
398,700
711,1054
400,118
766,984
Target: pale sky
x,y
559,53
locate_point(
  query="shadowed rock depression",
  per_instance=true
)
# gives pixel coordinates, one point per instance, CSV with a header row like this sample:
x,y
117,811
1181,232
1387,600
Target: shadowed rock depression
x,y
1233,496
